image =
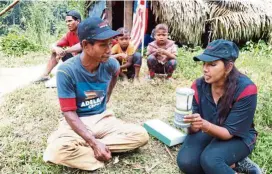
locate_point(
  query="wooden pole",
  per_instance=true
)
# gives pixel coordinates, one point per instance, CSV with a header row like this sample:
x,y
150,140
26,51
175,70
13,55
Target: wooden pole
x,y
124,22
128,14
9,7
109,6
142,51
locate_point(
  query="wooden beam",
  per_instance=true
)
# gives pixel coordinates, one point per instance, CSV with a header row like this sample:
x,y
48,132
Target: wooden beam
x,y
9,7
109,7
128,14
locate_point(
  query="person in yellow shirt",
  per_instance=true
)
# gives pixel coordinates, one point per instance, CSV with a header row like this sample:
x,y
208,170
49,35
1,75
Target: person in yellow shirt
x,y
130,60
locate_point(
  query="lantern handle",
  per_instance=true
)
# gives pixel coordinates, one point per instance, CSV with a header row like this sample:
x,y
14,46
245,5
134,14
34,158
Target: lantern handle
x,y
187,102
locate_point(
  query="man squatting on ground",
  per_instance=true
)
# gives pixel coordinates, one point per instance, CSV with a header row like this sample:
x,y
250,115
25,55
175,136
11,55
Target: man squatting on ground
x,y
69,41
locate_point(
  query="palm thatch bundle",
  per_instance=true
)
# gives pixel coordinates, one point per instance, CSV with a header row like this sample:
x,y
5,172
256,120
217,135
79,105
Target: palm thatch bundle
x,y
240,20
186,18
230,19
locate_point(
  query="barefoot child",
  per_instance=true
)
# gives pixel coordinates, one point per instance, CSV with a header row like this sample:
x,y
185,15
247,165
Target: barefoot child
x,y
124,51
161,53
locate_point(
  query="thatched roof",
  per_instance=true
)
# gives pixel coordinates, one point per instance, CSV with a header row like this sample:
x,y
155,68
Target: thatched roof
x,y
230,19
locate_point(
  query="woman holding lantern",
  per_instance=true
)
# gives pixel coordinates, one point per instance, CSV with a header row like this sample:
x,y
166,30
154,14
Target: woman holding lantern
x,y
221,133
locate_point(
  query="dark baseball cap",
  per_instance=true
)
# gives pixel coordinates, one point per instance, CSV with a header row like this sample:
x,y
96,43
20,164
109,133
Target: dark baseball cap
x,y
95,28
74,14
219,49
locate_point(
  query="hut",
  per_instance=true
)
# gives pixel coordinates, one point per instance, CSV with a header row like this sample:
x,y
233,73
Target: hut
x,y
119,13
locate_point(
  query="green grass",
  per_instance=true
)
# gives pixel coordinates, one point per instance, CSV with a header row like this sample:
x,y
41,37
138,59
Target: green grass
x,y
24,61
30,114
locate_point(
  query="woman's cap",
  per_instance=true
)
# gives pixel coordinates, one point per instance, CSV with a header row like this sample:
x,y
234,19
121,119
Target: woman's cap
x,y
219,49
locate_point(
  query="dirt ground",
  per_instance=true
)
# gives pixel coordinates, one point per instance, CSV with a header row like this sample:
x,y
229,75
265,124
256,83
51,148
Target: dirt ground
x,y
13,78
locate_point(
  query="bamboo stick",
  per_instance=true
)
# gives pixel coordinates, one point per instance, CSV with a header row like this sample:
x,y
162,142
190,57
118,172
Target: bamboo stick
x,y
9,7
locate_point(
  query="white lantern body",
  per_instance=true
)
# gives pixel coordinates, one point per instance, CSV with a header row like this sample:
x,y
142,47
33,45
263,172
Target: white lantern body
x,y
184,99
179,116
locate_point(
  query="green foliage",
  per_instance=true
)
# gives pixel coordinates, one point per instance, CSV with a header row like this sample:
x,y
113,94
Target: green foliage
x,y
262,154
256,63
45,21
261,47
41,22
17,45
186,66
8,18
39,25
78,5
256,60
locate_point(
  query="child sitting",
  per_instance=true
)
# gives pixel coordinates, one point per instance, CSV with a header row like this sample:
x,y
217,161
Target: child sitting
x,y
129,60
161,53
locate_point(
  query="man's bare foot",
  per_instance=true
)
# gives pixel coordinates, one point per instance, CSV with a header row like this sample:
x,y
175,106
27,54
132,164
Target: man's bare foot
x,y
169,80
125,80
137,81
42,79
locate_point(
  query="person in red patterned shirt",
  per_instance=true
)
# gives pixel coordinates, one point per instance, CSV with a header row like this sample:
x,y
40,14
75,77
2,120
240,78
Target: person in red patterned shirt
x,y
68,46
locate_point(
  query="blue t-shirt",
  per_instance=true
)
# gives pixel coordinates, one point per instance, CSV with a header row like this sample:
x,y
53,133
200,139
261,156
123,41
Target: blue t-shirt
x,y
82,91
239,121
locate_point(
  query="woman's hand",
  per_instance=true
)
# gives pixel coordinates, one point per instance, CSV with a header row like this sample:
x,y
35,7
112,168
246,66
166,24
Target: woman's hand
x,y
195,120
197,123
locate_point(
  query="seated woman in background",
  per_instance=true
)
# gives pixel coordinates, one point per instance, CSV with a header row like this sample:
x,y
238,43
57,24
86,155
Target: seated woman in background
x,y
222,133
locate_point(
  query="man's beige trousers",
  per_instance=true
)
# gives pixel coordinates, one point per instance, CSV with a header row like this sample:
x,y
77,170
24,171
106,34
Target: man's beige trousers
x,y
67,148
